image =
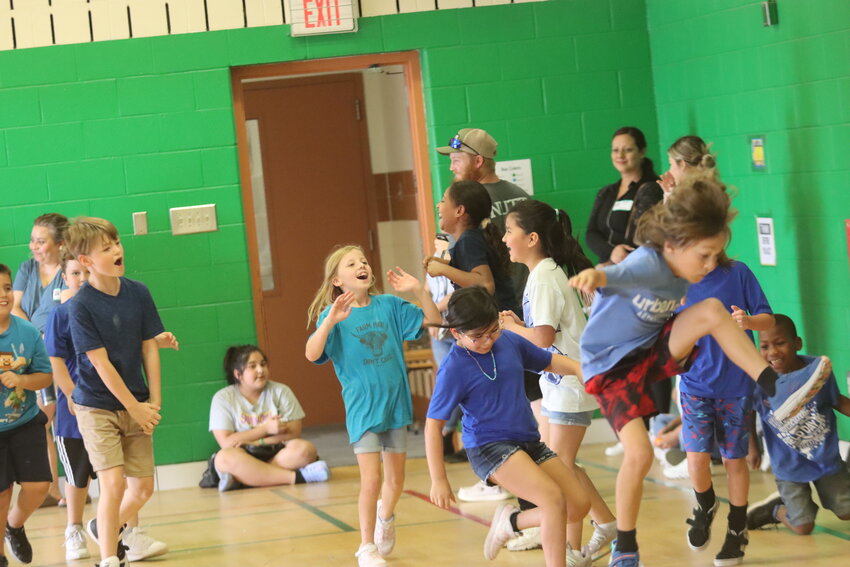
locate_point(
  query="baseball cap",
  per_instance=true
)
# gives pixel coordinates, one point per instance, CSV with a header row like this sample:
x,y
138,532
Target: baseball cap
x,y
472,141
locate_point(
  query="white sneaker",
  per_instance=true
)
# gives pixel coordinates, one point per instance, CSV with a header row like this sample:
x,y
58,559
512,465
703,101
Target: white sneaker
x,y
677,472
482,492
803,395
614,450
530,539
384,533
600,542
141,546
75,543
500,530
110,562
368,556
578,559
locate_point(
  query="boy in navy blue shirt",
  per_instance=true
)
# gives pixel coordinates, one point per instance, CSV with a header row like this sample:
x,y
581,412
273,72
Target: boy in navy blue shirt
x,y
803,449
24,369
114,324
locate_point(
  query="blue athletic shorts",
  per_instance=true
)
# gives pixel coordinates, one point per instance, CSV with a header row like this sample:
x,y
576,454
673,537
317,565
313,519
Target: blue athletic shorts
x,y
706,421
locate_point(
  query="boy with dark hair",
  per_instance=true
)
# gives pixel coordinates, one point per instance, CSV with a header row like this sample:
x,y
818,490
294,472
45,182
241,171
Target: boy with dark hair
x,y
804,448
24,370
114,324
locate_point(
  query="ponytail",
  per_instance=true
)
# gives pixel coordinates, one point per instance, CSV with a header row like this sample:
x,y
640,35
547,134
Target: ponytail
x,y
555,231
477,205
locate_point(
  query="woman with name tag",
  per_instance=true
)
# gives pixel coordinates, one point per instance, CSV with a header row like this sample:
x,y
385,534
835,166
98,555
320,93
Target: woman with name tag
x,y
611,226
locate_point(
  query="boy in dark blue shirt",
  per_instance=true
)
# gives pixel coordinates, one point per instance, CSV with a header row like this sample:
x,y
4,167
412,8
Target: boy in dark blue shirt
x,y
24,369
803,449
114,324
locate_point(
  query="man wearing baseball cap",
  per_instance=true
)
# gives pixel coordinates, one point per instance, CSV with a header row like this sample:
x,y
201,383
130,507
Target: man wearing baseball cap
x,y
473,153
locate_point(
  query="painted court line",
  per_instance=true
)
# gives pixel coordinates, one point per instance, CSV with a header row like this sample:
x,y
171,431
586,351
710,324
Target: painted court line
x,y
315,511
452,509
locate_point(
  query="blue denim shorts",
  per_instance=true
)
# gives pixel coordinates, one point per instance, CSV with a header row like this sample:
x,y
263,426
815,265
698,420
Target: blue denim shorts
x,y
834,492
582,418
389,441
486,459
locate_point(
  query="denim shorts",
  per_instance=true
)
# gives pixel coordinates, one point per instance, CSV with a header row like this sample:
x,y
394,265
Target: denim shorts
x,y
486,459
389,441
582,418
834,492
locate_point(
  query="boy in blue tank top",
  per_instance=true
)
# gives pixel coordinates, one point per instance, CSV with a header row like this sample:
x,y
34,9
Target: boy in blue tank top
x,y
804,449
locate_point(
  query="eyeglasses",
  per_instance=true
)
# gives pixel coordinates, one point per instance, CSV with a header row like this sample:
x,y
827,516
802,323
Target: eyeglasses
x,y
455,144
490,335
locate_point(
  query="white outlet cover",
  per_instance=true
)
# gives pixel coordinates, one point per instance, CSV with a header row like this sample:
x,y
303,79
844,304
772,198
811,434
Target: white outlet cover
x,y
194,219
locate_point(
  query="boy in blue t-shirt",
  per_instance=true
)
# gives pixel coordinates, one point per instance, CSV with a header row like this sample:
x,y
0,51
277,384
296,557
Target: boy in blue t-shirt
x,y
114,324
803,449
24,369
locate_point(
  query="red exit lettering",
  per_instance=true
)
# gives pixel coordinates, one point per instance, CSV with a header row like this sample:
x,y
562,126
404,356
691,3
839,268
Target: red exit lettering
x,y
321,13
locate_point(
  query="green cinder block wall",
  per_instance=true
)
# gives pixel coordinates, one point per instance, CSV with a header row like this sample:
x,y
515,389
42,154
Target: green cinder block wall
x,y
110,128
720,74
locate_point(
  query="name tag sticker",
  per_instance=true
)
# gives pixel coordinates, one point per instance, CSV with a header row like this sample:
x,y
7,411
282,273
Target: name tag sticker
x,y
623,205
56,294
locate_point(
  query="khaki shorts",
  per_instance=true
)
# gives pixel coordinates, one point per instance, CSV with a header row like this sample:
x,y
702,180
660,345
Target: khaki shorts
x,y
114,439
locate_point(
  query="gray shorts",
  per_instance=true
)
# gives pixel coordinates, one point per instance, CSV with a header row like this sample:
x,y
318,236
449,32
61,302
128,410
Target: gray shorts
x,y
581,418
833,490
389,441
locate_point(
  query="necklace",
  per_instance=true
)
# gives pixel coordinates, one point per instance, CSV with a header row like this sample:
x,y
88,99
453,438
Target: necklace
x,y
493,358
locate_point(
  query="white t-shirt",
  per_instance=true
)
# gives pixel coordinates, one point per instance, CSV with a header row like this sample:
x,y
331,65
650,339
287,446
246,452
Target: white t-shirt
x,y
549,300
231,411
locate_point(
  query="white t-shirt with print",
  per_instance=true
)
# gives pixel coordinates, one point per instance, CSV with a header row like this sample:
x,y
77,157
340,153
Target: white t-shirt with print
x,y
231,411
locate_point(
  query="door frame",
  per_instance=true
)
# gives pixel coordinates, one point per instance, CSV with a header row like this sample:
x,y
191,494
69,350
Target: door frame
x,y
409,60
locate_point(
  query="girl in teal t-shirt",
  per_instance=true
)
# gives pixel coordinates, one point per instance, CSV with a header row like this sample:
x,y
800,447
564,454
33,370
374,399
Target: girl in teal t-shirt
x,y
362,333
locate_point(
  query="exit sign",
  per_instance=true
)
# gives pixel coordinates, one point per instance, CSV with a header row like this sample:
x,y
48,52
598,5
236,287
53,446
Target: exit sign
x,y
314,17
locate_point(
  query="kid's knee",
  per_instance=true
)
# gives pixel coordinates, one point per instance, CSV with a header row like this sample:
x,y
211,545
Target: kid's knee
x,y
225,458
302,451
141,490
803,529
713,310
638,458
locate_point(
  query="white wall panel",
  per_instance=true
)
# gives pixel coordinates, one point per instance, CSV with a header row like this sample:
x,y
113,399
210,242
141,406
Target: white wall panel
x,y
377,8
225,14
187,16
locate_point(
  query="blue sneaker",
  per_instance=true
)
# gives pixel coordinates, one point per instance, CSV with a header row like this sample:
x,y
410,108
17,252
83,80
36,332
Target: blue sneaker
x,y
624,559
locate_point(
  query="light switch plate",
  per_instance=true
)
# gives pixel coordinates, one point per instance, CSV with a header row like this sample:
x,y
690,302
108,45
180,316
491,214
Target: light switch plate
x,y
190,220
140,223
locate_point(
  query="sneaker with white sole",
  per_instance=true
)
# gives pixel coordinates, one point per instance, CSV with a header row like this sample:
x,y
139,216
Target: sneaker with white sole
x,y
600,542
624,559
482,492
368,556
141,546
578,558
529,538
787,405
317,471
699,534
762,514
110,562
677,472
121,552
75,543
500,530
614,450
732,552
384,533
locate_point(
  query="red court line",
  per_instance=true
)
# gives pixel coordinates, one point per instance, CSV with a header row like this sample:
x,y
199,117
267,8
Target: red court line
x,y
452,509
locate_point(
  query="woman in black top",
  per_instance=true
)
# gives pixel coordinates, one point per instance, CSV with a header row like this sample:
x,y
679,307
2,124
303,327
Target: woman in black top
x,y
611,226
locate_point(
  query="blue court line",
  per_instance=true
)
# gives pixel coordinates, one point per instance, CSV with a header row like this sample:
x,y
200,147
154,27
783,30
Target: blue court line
x,y
689,490
315,511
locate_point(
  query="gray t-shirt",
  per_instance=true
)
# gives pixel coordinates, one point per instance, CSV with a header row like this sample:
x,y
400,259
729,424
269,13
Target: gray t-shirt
x,y
230,411
504,195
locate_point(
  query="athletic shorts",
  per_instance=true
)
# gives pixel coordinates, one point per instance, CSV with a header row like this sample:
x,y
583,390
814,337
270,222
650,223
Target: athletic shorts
x,y
486,459
724,420
389,441
623,391
114,439
75,461
833,490
23,453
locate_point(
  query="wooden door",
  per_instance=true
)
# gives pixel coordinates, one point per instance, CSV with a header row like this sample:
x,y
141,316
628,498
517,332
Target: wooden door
x,y
317,176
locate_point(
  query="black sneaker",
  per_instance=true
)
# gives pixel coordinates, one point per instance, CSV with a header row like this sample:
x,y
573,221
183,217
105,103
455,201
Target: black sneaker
x,y
760,514
699,534
121,552
732,552
19,544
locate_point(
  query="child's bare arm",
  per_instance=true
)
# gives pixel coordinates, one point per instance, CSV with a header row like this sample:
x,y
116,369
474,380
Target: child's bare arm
x,y
479,275
760,322
340,310
153,370
404,282
843,405
145,414
588,280
441,490
542,336
564,365
34,381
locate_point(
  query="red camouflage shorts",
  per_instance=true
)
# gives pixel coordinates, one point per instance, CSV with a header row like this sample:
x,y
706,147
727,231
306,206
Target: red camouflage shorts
x,y
622,391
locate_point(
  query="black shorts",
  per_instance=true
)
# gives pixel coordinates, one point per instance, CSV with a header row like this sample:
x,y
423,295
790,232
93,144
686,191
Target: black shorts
x,y
75,461
23,453
532,386
264,453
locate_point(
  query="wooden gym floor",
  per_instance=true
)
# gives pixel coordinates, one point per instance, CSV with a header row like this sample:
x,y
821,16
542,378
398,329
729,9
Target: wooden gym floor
x,y
315,525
